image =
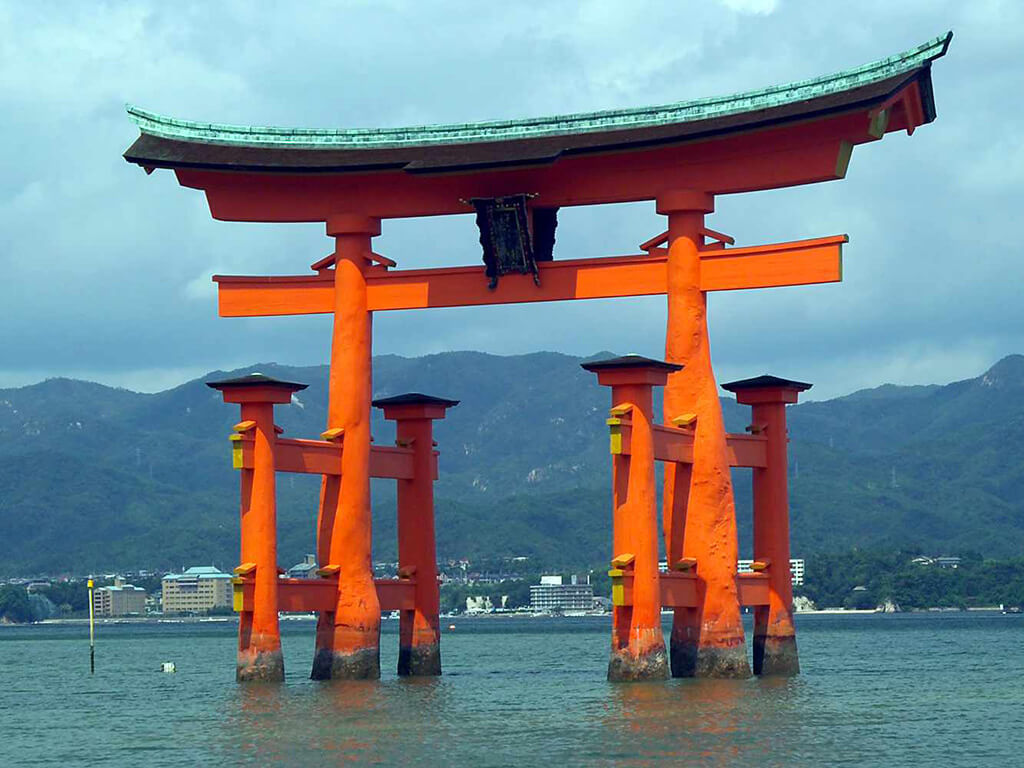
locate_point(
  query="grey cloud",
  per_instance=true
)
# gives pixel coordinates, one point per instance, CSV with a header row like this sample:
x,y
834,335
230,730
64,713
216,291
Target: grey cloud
x,y
104,266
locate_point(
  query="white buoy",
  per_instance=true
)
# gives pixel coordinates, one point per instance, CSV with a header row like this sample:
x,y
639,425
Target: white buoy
x,y
168,666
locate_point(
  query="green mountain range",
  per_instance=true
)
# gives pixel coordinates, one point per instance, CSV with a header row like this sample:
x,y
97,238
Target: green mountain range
x,y
96,478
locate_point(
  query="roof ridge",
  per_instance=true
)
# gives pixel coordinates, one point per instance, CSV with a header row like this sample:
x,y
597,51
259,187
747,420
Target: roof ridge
x,y
538,127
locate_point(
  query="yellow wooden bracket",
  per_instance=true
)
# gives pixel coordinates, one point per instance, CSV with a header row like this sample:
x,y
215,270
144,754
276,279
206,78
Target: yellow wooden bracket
x,y
615,428
245,569
623,561
686,421
244,426
328,571
407,571
685,564
760,565
237,595
333,434
236,451
618,586
614,437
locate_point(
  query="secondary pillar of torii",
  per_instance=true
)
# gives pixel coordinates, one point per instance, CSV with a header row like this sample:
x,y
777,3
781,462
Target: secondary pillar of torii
x,y
515,175
259,635
419,631
638,646
774,634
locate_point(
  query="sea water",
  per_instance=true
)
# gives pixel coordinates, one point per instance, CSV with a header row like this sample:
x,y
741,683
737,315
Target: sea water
x,y
876,690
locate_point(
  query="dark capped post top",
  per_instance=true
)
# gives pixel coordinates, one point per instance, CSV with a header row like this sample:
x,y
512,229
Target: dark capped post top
x,y
256,388
766,389
413,405
631,369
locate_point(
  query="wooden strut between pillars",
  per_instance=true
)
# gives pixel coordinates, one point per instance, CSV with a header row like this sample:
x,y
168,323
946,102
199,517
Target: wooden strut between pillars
x,y
305,595
320,457
679,590
676,445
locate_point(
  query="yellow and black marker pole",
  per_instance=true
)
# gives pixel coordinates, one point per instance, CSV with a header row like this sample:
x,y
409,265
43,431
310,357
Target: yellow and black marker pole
x,y
92,632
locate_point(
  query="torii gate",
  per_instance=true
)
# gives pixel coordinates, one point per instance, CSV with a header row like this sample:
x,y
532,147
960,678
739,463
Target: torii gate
x,y
515,175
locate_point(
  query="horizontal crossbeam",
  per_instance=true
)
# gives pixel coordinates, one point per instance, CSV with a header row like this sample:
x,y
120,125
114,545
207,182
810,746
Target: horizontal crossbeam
x,y
676,445
306,595
797,263
320,457
679,590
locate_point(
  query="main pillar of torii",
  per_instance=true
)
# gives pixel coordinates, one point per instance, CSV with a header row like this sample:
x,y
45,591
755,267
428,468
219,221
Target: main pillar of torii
x,y
348,638
698,513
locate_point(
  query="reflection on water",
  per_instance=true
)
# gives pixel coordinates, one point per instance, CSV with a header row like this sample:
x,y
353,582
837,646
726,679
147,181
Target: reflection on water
x,y
334,722
713,722
887,691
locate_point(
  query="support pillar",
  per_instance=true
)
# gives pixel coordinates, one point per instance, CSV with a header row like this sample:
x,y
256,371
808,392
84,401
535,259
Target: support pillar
x,y
638,645
348,638
775,651
419,645
259,635
707,641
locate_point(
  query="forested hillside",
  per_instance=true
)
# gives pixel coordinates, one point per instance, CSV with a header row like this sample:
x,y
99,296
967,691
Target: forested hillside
x,y
99,478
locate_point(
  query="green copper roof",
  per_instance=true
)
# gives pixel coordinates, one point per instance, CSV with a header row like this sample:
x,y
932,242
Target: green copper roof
x,y
504,130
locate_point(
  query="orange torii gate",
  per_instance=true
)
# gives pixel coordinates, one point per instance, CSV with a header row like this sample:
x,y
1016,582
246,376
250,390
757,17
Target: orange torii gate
x,y
515,175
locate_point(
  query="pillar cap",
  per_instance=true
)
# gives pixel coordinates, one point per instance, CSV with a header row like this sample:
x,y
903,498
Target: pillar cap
x,y
685,200
414,405
766,389
256,379
352,224
256,388
766,382
630,361
414,398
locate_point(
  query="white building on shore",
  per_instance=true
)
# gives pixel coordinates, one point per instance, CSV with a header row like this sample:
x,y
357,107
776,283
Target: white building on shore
x,y
200,588
796,569
119,600
552,595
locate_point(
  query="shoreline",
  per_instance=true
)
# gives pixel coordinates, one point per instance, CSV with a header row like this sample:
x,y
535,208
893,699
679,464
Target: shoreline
x,y
154,620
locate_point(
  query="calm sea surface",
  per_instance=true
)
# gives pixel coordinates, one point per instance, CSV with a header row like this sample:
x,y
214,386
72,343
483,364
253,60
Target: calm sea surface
x,y
897,690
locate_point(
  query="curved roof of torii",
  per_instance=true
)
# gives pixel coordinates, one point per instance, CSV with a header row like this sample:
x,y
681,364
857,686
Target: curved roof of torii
x,y
170,143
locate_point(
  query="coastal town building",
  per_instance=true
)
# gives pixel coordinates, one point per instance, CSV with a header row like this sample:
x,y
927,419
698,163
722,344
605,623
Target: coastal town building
x,y
119,600
552,595
796,569
942,562
200,588
304,570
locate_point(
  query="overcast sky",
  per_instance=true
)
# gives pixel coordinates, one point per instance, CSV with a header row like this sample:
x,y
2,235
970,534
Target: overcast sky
x,y
105,271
